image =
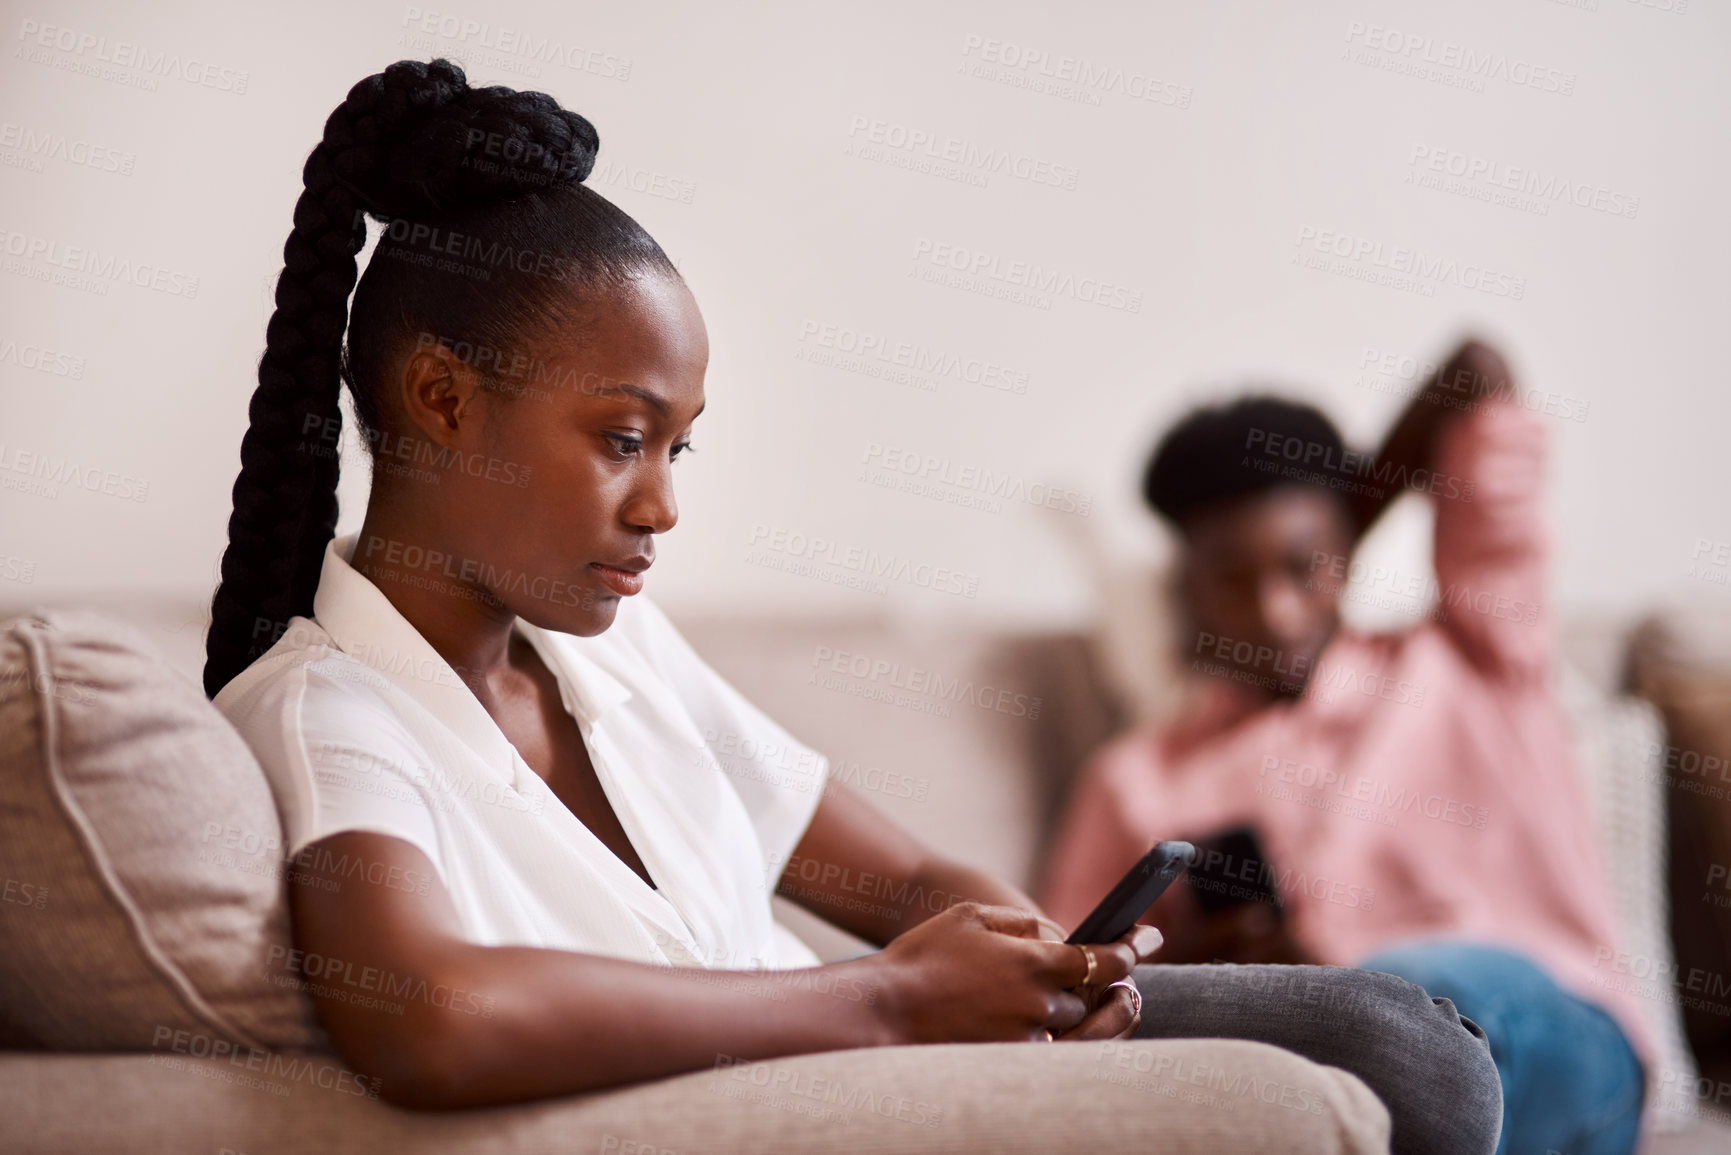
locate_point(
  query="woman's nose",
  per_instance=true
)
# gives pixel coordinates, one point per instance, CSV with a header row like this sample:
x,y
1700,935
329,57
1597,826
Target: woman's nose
x,y
652,507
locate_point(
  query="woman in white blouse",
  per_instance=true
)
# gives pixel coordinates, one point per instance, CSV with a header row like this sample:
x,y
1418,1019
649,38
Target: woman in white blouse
x,y
494,759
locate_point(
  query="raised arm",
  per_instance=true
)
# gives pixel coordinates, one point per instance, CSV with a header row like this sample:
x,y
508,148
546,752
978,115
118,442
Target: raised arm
x,y
1474,374
1482,458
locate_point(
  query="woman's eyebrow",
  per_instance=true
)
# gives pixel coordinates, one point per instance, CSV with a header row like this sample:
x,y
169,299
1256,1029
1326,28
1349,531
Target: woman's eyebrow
x,y
656,400
637,391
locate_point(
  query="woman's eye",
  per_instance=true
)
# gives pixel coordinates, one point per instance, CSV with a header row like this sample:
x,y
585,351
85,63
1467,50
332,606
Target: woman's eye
x,y
681,447
625,446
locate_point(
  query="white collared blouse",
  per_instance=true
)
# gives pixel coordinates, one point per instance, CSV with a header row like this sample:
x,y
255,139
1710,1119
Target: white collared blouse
x,y
361,725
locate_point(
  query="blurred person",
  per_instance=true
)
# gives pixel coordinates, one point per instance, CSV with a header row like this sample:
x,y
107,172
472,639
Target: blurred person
x,y
1404,802
502,771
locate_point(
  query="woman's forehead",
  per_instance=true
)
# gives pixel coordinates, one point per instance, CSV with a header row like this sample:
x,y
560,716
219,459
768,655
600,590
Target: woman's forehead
x,y
649,325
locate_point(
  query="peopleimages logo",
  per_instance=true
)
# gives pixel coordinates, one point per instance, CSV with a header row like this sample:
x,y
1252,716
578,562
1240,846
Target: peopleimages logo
x,y
991,269
609,174
17,569
1219,871
24,894
272,1064
800,1092
41,358
1395,800
868,347
327,438
1367,259
1494,177
1353,575
514,45
1168,1072
49,472
1417,51
87,47
867,565
470,575
41,145
971,485
91,263
1062,75
408,988
1466,390
1322,464
932,683
968,156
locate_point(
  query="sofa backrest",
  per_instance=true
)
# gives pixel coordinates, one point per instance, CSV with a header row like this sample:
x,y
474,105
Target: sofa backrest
x,y
968,738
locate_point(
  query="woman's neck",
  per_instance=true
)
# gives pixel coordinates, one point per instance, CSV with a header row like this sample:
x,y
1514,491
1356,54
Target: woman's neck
x,y
405,559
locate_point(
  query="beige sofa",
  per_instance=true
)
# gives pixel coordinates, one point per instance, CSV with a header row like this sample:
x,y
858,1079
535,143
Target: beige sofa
x,y
968,737
144,1005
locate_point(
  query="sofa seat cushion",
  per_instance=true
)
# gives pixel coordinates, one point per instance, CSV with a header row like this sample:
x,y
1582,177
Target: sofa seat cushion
x,y
1175,1096
140,853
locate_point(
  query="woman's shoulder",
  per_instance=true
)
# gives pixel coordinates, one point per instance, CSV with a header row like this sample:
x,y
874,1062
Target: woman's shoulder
x,y
303,676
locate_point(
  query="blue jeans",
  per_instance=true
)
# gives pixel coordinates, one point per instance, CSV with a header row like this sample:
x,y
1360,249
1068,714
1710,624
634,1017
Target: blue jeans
x,y
1571,1083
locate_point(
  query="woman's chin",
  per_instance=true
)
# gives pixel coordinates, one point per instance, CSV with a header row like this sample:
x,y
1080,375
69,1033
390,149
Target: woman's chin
x,y
593,616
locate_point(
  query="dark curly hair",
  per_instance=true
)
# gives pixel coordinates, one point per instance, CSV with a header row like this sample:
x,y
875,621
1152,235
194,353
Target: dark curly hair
x,y
1213,455
489,235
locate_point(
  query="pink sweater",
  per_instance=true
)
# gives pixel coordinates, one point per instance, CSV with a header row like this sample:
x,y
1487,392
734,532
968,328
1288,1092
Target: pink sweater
x,y
1424,785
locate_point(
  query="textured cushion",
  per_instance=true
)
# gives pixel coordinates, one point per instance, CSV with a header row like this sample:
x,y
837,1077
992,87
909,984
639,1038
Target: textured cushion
x,y
1614,742
1173,1096
1680,659
140,862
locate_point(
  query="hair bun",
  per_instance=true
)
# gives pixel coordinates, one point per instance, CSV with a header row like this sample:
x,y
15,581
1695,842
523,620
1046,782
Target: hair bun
x,y
415,139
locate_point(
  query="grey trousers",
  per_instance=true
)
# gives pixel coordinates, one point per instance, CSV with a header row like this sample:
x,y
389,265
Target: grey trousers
x,y
1430,1067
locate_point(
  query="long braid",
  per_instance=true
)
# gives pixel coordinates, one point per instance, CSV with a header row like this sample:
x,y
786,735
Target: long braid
x,y
399,146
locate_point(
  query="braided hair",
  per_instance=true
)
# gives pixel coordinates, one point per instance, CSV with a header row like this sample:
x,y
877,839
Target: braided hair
x,y
491,174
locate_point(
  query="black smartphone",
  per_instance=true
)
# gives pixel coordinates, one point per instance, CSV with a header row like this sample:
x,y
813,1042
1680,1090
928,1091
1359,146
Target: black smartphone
x,y
1231,870
1135,893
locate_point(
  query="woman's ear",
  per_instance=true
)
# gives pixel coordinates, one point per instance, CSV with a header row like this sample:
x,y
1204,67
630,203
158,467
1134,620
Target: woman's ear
x,y
440,396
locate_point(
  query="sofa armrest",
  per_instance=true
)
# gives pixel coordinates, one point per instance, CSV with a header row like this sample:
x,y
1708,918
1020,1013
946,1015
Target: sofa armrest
x,y
1177,1095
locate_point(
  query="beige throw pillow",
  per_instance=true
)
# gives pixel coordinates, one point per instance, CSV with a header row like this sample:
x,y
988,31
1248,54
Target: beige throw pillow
x,y
141,874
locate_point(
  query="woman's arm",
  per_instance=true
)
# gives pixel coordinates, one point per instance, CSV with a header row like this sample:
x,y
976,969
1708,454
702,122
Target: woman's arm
x,y
860,871
1474,374
855,868
444,1023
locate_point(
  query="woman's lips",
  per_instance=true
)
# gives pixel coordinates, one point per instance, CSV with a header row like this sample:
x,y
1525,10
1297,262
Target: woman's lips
x,y
621,581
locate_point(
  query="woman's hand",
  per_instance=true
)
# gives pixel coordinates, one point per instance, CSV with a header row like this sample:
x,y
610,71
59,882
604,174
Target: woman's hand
x,y
978,973
1113,1011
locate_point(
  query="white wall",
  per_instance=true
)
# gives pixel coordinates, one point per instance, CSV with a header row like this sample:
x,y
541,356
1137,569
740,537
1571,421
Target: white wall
x,y
1266,122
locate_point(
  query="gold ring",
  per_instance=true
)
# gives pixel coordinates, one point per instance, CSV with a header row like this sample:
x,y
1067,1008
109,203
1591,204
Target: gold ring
x,y
1135,995
1087,953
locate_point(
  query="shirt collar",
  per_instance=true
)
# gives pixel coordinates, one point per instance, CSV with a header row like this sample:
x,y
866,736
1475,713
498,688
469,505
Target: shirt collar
x,y
587,690
364,624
